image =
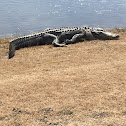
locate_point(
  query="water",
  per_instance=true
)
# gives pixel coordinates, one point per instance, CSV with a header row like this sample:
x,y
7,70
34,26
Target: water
x,y
19,17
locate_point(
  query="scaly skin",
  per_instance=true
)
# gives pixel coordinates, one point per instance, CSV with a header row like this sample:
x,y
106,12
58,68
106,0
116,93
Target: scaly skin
x,y
59,37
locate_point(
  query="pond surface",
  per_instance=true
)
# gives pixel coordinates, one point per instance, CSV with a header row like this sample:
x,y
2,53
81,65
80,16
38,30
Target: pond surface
x,y
19,17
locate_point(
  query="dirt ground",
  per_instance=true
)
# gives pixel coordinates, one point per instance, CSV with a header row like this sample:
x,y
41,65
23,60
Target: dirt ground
x,y
83,84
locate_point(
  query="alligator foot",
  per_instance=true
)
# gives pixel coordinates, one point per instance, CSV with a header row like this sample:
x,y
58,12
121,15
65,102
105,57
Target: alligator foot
x,y
59,45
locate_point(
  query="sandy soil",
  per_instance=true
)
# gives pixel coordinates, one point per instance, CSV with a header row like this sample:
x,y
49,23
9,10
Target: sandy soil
x,y
83,84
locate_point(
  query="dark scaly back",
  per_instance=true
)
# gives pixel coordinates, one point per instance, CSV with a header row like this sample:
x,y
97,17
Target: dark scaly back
x,y
58,31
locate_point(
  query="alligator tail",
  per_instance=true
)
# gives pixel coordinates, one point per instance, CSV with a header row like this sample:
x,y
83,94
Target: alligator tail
x,y
12,47
22,43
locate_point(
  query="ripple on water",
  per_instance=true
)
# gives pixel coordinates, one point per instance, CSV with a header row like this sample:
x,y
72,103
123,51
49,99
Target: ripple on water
x,y
24,17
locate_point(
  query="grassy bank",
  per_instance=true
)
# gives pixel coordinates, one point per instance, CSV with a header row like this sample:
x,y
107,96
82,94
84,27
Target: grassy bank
x,y
83,84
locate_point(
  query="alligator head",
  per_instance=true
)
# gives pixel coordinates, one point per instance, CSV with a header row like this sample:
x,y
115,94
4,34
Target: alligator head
x,y
98,34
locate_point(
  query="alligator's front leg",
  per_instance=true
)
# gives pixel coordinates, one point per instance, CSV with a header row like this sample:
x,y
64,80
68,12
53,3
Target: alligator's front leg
x,y
75,38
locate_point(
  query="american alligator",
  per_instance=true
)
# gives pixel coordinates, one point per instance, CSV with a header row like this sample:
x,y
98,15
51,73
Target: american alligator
x,y
59,37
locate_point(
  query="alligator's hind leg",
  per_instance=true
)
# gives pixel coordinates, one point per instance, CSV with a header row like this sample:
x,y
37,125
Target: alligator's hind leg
x,y
57,44
55,40
75,38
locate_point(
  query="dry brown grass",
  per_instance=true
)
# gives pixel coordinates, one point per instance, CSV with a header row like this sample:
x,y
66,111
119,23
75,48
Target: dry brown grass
x,y
4,47
83,84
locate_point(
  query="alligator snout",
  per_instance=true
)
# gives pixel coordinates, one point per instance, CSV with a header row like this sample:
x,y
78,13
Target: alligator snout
x,y
113,36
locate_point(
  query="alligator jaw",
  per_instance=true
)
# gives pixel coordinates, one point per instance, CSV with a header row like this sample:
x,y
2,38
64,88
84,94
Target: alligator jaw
x,y
112,36
104,35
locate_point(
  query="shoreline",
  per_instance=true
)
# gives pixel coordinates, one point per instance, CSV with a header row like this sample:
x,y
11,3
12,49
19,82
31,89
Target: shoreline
x,y
115,30
4,42
18,35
